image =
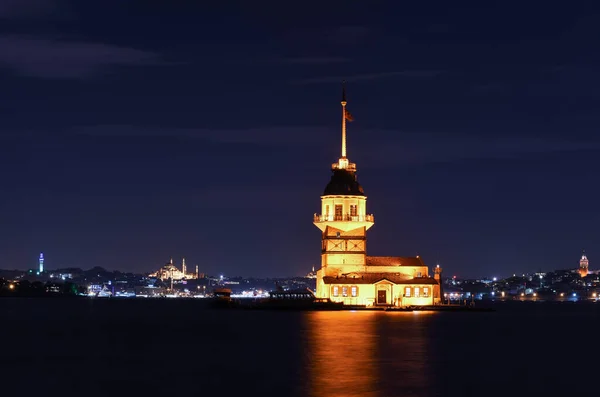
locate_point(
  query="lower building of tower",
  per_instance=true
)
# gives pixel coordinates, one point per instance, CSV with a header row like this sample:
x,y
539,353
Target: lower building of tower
x,y
382,281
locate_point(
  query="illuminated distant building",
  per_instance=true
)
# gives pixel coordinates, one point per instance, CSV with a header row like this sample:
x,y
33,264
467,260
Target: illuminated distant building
x,y
583,265
41,262
347,274
170,271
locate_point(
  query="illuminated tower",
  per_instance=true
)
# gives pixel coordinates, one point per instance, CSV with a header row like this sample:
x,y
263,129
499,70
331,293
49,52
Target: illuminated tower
x,y
437,275
41,262
183,268
343,220
583,265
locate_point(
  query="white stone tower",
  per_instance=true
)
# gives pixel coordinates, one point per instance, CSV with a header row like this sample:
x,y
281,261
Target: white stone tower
x,y
343,220
583,265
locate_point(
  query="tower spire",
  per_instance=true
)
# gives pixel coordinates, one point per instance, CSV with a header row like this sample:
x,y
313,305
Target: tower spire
x,y
343,163
344,116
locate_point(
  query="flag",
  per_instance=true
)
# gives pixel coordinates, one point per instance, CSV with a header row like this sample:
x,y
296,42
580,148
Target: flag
x,y
348,115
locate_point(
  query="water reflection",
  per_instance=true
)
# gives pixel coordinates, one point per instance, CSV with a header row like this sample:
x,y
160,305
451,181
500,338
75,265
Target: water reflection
x,y
403,355
366,354
342,347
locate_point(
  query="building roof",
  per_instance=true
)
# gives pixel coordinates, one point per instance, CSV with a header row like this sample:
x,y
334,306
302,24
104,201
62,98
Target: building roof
x,y
372,278
394,261
343,182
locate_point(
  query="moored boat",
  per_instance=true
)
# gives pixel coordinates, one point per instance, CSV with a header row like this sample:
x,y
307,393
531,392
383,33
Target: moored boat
x,y
221,297
296,299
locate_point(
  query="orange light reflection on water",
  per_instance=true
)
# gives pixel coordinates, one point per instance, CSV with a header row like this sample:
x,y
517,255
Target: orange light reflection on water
x,y
367,353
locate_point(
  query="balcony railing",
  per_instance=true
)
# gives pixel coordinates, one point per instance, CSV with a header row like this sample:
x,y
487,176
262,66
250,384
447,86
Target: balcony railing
x,y
343,218
345,166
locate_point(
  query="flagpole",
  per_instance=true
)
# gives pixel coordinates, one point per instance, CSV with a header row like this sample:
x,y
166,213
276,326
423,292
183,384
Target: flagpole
x,y
343,119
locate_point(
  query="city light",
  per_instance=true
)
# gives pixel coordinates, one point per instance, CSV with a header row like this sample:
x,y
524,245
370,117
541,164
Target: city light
x,y
11,286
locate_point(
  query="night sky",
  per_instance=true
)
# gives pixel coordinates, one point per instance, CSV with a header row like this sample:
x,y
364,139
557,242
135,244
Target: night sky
x,y
132,132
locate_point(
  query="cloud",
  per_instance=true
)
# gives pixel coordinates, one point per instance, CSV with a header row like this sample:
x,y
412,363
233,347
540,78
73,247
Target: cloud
x,y
489,88
267,136
375,148
16,9
370,76
55,59
315,60
428,148
348,35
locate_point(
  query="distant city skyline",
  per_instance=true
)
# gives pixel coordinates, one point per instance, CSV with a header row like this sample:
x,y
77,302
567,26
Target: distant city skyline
x,y
211,138
583,261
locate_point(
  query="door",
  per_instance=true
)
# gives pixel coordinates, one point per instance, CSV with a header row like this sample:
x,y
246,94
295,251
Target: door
x,y
338,213
381,297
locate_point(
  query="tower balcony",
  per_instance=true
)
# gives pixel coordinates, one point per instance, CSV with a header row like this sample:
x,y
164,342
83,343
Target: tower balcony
x,y
343,218
343,164
343,222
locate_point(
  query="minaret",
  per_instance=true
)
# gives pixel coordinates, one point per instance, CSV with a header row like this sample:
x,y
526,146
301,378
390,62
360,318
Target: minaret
x,y
343,220
197,274
183,267
41,262
583,265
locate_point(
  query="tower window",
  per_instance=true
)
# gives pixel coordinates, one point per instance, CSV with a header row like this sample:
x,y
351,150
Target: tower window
x,y
338,212
327,212
353,210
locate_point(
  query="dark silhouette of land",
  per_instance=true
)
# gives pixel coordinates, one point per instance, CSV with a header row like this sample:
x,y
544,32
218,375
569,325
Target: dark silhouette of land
x,y
38,289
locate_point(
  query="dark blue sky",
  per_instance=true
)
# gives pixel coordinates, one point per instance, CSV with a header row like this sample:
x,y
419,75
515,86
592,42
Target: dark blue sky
x,y
131,132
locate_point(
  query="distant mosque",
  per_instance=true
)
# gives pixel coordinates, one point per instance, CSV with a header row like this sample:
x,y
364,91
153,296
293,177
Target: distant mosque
x,y
170,271
347,274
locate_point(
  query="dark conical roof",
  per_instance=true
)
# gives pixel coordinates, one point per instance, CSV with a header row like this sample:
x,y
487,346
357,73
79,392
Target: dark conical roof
x,y
343,182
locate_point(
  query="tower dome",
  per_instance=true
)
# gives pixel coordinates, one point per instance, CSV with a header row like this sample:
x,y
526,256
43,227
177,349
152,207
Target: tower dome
x,y
343,182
